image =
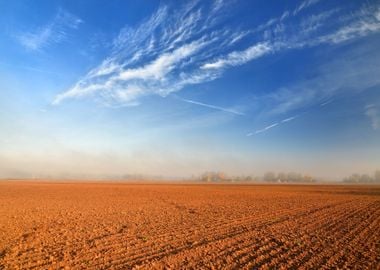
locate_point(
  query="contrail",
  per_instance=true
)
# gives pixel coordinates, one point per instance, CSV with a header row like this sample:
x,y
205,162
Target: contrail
x,y
272,126
262,130
210,106
289,119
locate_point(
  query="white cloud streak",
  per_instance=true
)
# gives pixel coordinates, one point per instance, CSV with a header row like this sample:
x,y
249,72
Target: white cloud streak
x,y
305,4
160,67
351,72
172,50
53,32
353,30
240,57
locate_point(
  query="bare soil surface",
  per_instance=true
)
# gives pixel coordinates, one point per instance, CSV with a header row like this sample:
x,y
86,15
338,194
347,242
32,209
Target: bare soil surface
x,y
46,225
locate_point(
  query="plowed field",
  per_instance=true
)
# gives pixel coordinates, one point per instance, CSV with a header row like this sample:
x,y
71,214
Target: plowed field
x,y
46,225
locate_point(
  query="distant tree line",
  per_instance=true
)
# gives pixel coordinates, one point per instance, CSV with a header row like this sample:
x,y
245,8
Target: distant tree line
x,y
363,178
269,177
222,177
290,177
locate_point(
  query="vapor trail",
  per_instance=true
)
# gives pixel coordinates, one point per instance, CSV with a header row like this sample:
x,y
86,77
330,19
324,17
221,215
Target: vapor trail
x,y
210,106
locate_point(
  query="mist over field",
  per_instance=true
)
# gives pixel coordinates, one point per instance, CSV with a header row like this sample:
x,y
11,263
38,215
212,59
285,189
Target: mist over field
x,y
179,89
162,165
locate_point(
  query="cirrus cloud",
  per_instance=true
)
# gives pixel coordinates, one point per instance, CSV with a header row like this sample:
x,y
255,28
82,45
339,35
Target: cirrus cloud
x,y
169,51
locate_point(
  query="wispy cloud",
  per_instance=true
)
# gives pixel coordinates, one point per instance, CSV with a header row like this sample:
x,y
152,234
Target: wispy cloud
x,y
373,113
350,72
239,57
315,22
355,29
54,31
172,50
305,4
211,106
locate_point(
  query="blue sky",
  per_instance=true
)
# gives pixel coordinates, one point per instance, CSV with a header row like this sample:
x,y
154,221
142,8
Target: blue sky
x,y
176,88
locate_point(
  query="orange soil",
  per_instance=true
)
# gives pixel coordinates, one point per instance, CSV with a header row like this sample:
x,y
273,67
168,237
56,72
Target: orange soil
x,y
153,226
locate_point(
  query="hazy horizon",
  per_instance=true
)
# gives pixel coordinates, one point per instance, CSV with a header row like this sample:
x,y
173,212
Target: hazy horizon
x,y
180,88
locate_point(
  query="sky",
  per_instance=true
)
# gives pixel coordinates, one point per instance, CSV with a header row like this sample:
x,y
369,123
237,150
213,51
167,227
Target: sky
x,y
177,88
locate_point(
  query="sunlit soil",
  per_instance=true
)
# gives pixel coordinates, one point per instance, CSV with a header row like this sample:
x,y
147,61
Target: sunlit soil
x,y
46,225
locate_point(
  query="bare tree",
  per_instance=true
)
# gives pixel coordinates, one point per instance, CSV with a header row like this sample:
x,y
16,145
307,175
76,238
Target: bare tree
x,y
269,177
377,176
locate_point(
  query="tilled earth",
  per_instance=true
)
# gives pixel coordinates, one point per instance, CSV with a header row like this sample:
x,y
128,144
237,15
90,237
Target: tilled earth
x,y
46,225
